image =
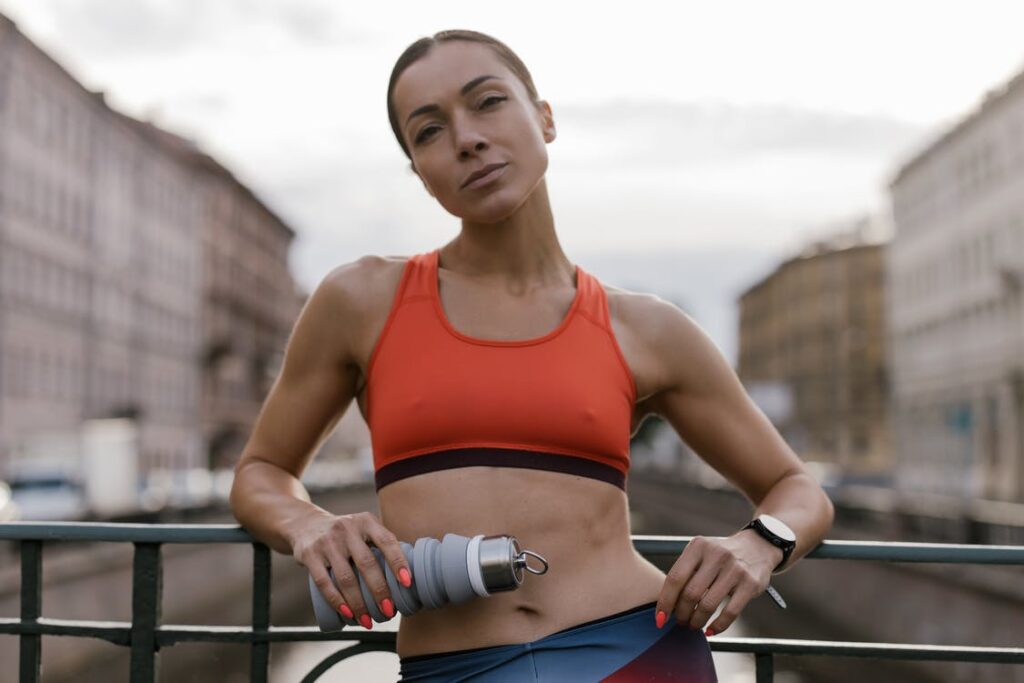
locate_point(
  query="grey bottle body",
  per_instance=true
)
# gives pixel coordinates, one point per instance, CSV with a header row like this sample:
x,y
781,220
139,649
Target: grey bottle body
x,y
454,570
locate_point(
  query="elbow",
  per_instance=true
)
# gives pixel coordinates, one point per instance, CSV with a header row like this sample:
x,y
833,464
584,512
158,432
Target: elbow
x,y
830,510
235,495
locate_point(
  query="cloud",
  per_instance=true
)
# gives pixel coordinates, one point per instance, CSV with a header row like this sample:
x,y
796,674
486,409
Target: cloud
x,y
136,28
664,133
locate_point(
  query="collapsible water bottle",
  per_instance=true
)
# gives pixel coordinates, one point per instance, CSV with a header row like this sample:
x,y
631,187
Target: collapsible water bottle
x,y
454,570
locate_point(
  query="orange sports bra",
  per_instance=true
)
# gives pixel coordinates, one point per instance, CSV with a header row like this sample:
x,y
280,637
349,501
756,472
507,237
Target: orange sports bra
x,y
438,399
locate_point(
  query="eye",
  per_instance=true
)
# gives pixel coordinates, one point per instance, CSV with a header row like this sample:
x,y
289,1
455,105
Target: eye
x,y
423,134
487,99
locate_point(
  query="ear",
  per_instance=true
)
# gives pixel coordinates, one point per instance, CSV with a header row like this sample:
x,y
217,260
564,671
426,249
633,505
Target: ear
x,y
412,167
547,120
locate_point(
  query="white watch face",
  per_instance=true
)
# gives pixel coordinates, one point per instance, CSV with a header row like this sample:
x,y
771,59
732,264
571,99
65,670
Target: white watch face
x,y
777,527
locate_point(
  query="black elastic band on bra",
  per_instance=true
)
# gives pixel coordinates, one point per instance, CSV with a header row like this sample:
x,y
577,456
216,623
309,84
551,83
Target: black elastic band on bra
x,y
498,457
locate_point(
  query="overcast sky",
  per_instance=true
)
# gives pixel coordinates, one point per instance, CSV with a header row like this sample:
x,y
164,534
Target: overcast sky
x,y
723,133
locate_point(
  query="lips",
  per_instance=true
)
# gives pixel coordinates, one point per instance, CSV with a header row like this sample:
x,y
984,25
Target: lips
x,y
482,172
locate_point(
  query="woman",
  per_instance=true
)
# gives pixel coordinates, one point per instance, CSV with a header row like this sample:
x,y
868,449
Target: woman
x,y
501,384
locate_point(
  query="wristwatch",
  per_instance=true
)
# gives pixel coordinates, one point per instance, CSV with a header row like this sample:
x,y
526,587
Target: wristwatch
x,y
776,532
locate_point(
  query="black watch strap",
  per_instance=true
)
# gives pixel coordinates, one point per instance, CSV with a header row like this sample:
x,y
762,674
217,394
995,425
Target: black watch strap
x,y
781,543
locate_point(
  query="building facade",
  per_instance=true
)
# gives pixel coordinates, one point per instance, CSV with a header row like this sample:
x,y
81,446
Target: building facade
x,y
812,354
956,314
250,305
138,277
99,265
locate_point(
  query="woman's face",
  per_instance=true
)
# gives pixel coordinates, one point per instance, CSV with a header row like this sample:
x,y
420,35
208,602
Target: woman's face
x,y
492,122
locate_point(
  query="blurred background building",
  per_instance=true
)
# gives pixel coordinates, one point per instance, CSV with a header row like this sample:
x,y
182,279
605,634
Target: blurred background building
x,y
141,282
812,352
956,321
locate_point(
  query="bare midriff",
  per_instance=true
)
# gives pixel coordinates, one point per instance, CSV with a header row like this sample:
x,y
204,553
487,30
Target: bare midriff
x,y
579,525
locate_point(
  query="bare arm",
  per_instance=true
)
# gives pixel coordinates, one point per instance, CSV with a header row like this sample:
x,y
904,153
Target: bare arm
x,y
706,404
313,390
704,401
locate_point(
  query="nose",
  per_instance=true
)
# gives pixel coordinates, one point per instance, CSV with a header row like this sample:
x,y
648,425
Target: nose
x,y
477,145
468,138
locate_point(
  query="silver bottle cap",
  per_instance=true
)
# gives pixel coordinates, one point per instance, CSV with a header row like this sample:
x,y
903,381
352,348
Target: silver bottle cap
x,y
502,562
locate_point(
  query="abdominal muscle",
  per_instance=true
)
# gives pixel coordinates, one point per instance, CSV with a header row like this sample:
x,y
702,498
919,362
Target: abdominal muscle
x,y
579,525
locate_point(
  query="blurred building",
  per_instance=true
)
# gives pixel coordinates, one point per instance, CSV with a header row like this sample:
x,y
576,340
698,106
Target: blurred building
x,y
138,277
250,304
100,265
955,269
812,352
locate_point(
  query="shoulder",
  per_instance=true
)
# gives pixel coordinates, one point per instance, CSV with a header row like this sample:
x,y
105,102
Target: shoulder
x,y
357,287
672,347
657,320
362,292
357,283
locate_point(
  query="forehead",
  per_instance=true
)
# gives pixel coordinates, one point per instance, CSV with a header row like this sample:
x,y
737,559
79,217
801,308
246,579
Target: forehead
x,y
443,71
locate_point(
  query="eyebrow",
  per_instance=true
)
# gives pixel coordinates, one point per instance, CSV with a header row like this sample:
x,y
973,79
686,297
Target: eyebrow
x,y
465,89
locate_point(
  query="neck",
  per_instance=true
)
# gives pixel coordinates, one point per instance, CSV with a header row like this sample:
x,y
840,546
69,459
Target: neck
x,y
520,251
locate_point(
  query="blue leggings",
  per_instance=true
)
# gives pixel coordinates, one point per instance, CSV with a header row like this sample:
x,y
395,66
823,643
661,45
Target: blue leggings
x,y
621,648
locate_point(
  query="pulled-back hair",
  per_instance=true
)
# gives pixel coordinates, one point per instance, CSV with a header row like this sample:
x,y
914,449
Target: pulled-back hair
x,y
423,46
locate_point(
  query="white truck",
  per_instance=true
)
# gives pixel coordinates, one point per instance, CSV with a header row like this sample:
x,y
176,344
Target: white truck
x,y
72,473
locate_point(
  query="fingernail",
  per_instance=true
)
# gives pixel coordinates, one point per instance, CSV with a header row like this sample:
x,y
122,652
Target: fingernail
x,y
660,619
345,610
387,607
709,632
404,577
365,621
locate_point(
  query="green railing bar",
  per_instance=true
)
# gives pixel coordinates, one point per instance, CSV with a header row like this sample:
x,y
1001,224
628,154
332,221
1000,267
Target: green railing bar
x,y
906,651
672,546
647,545
31,647
125,533
147,592
259,656
171,634
764,667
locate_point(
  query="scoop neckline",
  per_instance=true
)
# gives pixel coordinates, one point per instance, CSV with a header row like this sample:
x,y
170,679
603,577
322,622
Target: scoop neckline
x,y
435,288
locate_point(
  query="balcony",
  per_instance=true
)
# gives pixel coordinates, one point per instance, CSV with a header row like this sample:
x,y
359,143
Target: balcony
x,y
145,635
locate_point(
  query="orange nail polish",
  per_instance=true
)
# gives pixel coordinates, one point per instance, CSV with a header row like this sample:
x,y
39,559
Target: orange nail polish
x,y
660,619
365,621
345,610
709,632
405,577
388,608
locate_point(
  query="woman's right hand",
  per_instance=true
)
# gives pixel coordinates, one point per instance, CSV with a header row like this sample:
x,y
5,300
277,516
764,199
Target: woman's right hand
x,y
323,540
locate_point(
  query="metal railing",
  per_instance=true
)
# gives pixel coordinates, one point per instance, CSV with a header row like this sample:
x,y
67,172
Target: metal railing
x,y
145,635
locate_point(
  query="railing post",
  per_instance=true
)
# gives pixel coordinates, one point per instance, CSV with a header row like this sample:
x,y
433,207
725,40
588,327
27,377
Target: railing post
x,y
259,654
764,667
31,645
147,596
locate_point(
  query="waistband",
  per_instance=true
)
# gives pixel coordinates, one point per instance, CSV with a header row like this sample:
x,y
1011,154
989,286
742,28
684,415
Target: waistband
x,y
600,620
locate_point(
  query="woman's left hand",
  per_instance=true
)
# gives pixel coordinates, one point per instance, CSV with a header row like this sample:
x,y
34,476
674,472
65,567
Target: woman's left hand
x,y
708,571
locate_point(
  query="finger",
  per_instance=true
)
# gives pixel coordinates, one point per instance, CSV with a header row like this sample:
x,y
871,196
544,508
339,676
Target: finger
x,y
720,587
345,577
693,592
731,608
675,579
388,545
372,575
707,605
708,629
324,584
347,615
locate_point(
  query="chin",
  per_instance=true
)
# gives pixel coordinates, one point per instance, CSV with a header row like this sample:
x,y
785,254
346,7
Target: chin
x,y
492,208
